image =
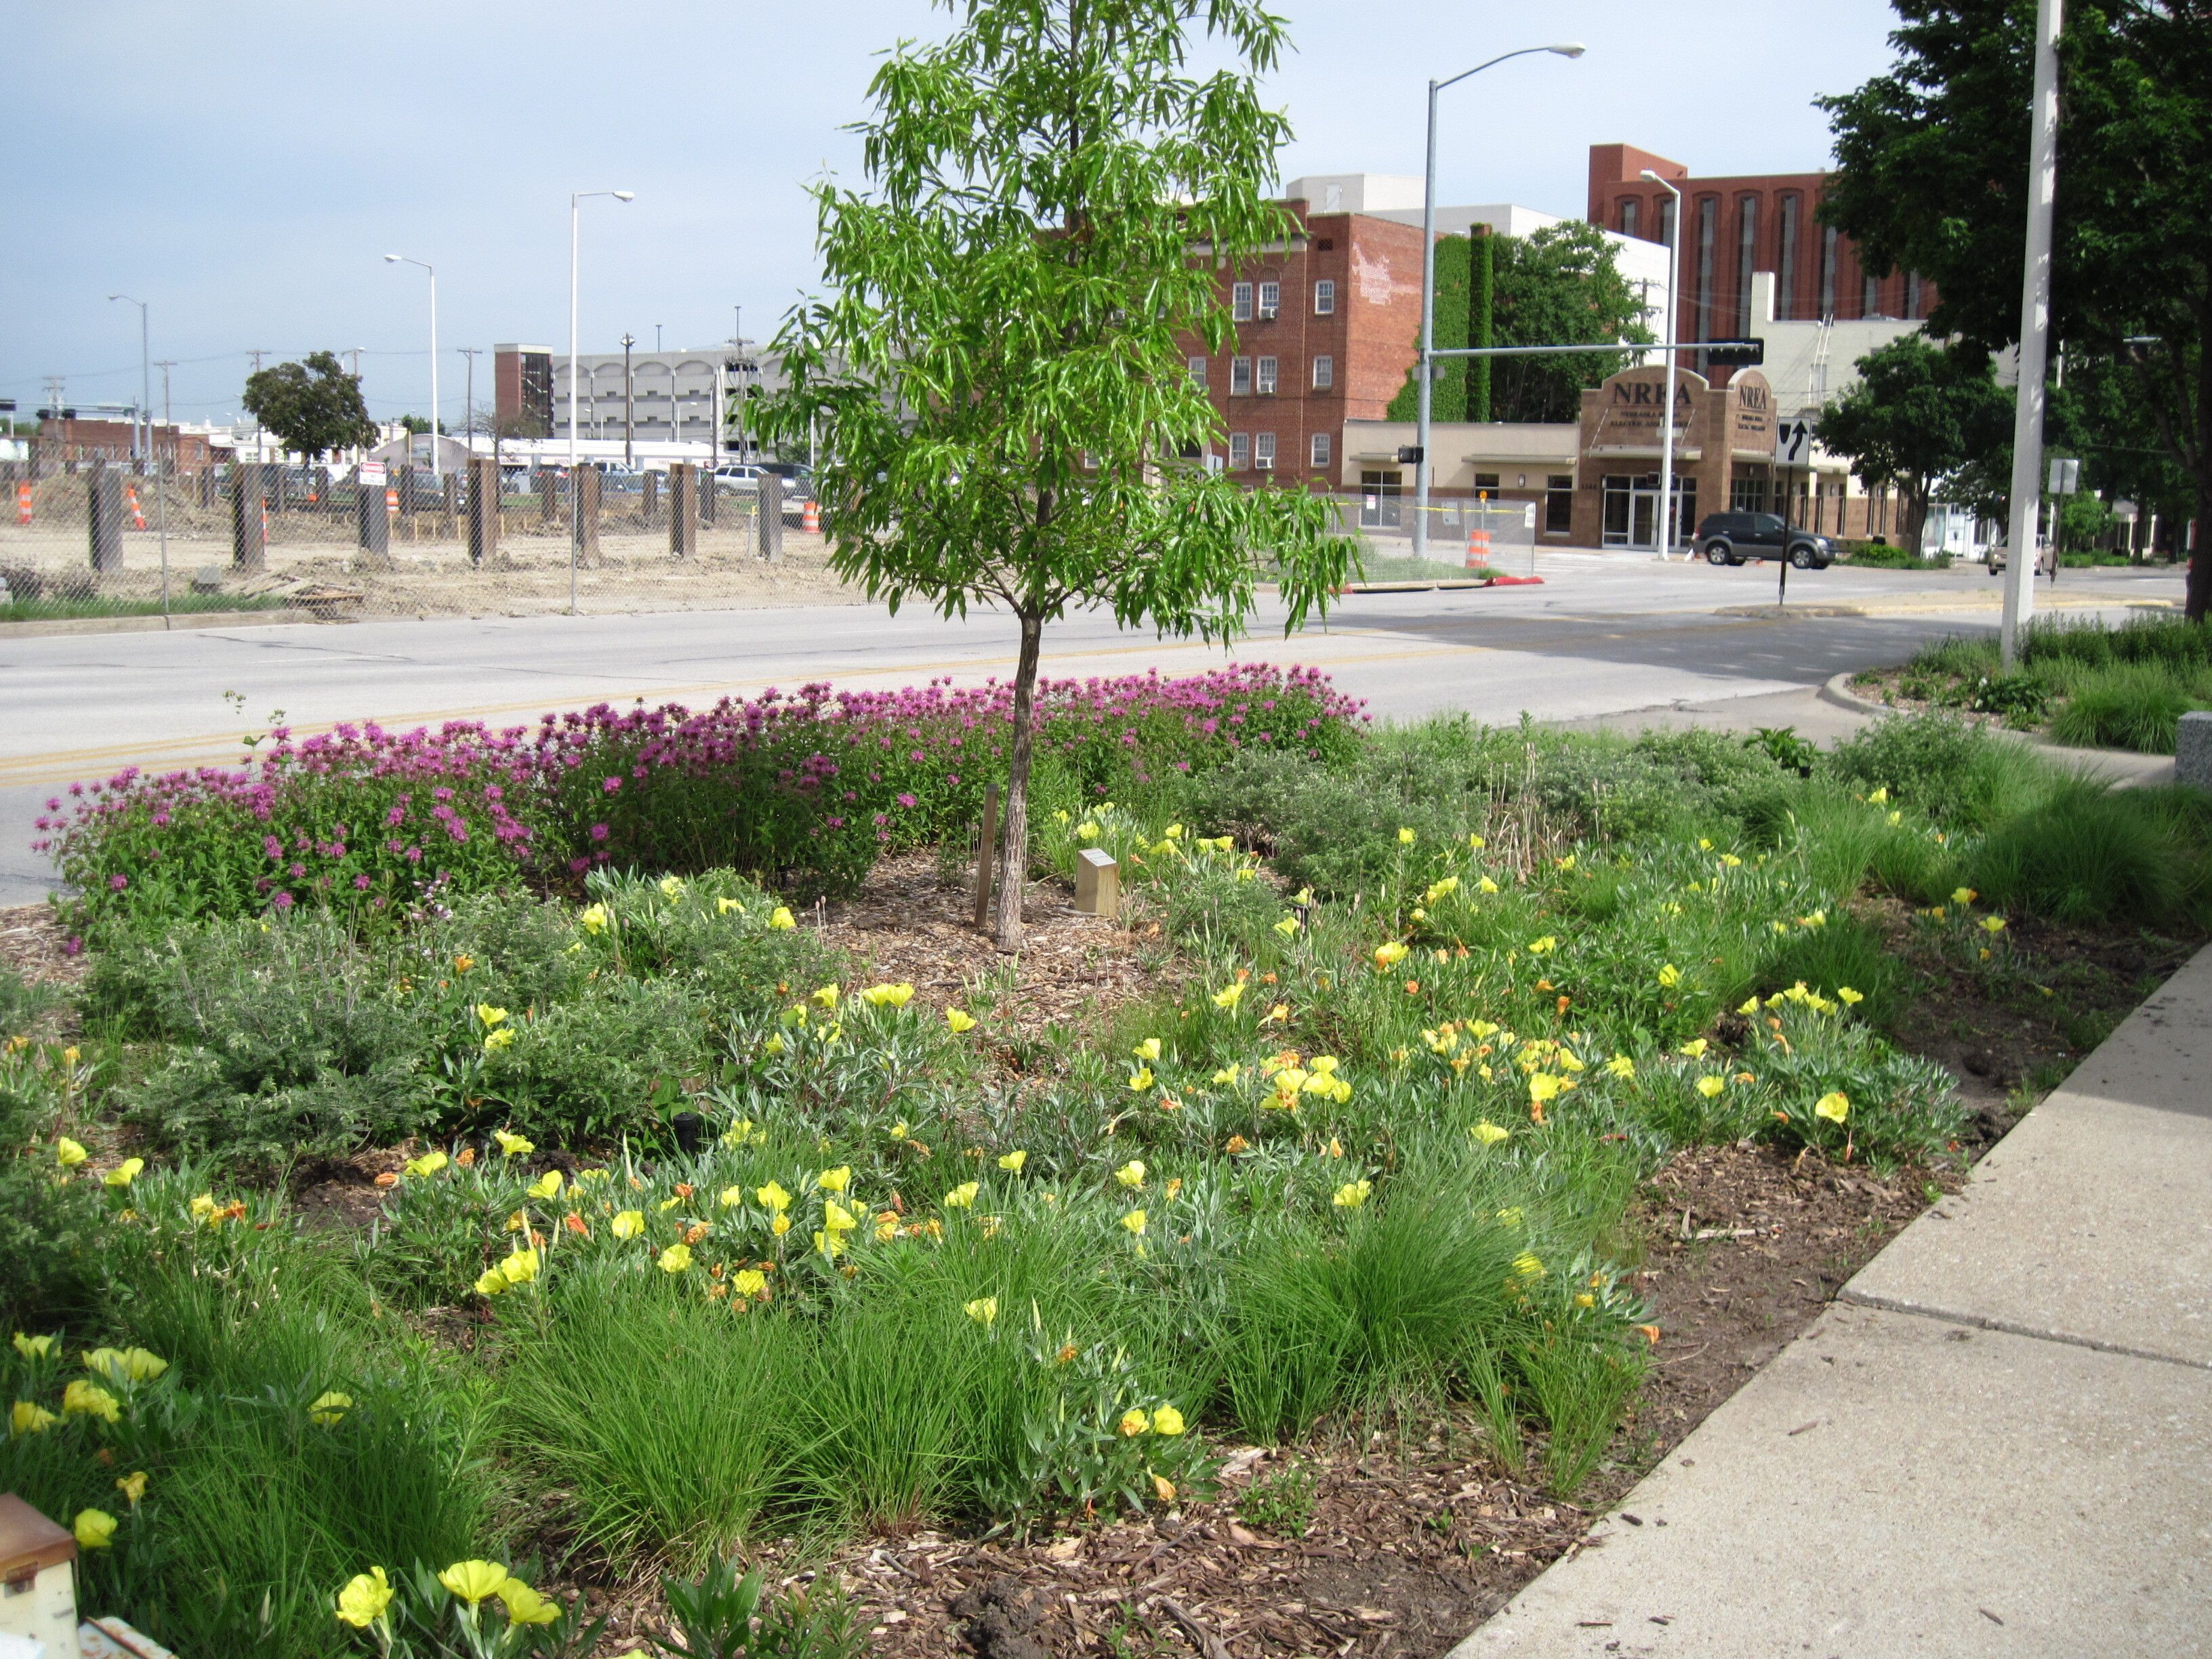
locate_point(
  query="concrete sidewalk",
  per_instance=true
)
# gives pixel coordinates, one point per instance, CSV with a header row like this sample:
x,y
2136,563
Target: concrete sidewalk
x,y
1998,1441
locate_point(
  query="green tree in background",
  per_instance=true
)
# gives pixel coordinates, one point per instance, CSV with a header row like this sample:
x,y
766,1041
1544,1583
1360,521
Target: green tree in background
x,y
1933,176
1916,415
999,378
1560,287
313,406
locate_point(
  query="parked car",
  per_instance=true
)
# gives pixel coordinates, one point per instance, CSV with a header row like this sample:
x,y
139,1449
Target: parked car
x,y
1733,537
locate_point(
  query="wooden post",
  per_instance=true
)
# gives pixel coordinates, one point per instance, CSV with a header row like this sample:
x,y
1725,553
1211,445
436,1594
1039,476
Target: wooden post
x,y
1097,883
683,509
485,488
987,855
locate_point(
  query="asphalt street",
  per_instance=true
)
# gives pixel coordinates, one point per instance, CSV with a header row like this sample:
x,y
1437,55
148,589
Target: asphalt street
x,y
1605,634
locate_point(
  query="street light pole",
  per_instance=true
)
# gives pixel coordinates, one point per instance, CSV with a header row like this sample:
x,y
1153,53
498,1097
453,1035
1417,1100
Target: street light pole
x,y
630,405
401,258
469,399
575,485
1421,467
1667,414
152,451
2034,336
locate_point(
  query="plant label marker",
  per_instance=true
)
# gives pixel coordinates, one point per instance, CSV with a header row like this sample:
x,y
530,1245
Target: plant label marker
x,y
1097,883
986,848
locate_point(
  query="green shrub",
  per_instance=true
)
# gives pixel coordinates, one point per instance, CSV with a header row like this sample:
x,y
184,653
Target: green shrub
x,y
2134,705
2094,854
1961,776
57,1273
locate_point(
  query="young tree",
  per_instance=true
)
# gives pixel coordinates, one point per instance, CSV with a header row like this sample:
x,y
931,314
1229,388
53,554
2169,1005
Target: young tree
x,y
1558,287
1000,379
1934,177
313,406
1917,415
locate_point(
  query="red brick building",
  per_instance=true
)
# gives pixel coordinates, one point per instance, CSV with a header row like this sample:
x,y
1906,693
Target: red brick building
x,y
1734,227
1325,327
72,440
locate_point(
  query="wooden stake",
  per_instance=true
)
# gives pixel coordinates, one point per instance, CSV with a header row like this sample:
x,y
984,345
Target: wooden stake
x,y
987,855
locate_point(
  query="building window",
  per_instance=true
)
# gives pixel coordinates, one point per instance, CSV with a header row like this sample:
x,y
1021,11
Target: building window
x,y
1912,295
1827,273
1667,220
1380,496
1263,451
1270,300
1486,483
1240,301
1746,250
1786,262
1708,222
1324,373
1869,297
1325,298
1240,377
1559,503
1266,386
1628,207
1198,373
1319,445
1240,451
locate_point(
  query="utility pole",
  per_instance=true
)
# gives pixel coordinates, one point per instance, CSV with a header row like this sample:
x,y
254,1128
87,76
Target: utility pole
x,y
629,402
259,452
469,404
2034,335
165,365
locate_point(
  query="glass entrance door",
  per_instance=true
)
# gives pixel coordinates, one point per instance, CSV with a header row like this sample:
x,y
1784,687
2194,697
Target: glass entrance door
x,y
1631,511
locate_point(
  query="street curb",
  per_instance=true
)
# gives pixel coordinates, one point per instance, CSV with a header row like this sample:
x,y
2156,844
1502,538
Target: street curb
x,y
1837,689
59,625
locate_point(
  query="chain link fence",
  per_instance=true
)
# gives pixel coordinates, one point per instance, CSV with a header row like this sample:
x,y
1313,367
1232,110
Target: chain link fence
x,y
1464,536
361,542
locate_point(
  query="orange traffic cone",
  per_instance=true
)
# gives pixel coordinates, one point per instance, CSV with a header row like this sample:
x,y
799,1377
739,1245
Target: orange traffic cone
x,y
1478,549
22,503
137,513
810,519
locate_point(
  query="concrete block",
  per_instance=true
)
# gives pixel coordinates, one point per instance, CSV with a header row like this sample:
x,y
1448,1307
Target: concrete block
x,y
2092,1221
1896,1485
1097,883
2192,750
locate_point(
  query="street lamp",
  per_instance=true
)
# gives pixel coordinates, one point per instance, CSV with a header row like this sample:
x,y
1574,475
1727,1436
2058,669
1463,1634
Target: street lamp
x,y
574,197
152,451
1421,470
1667,357
402,259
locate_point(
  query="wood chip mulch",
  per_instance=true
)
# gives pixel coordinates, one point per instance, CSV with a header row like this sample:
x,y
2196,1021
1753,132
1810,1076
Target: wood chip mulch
x,y
35,944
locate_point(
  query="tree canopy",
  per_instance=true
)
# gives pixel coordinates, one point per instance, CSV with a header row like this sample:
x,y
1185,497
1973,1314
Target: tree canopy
x,y
1932,175
1917,415
313,406
999,375
1558,287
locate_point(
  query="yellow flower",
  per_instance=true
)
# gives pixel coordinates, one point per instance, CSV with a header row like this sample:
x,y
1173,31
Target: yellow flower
x,y
1894,819
731,1197
887,996
1086,830
748,1281
724,906
124,1173
1621,1066
502,1038
1670,976
1167,1420
829,1243
1544,946
1229,995
491,1282
1141,1078
1352,1194
1489,1133
1993,923
593,918
329,1407
837,1180
836,1218
984,1309
1404,838
26,1417
1013,1161
1441,888
1543,1086
472,1581
1485,885
1287,926
1134,1221
1131,1174
959,1020
675,1258
1134,1423
513,1145
1584,1299
1149,1049
524,1606
125,1365
36,1347
520,1267
1964,895
1847,997
1835,1106
1388,956
780,920
1511,1215
669,1202
671,887
962,1197
1278,1015
780,1224
489,1016
773,1196
365,1597
547,1186
68,1153
94,1529
1709,1086
429,1164
1527,1265
1228,1074
630,1223
1693,1049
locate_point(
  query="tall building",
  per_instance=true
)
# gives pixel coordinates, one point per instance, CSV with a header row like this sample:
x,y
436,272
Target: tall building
x,y
691,395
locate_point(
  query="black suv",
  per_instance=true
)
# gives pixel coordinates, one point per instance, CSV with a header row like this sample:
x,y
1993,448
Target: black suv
x,y
1732,537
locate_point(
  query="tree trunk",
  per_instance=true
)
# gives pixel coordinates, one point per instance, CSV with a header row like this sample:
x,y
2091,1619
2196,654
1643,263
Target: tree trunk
x,y
1916,515
1014,845
2197,592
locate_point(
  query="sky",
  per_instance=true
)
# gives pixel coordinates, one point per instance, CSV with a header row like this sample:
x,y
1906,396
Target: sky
x,y
243,169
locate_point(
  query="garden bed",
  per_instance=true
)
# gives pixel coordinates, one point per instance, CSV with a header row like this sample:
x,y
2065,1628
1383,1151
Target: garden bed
x,y
1457,1116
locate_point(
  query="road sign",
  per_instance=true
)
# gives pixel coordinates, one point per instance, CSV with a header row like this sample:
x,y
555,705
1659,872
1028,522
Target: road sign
x,y
371,472
2065,476
1736,353
1792,442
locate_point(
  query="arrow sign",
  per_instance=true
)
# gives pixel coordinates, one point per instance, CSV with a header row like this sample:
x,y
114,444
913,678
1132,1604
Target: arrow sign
x,y
1792,442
